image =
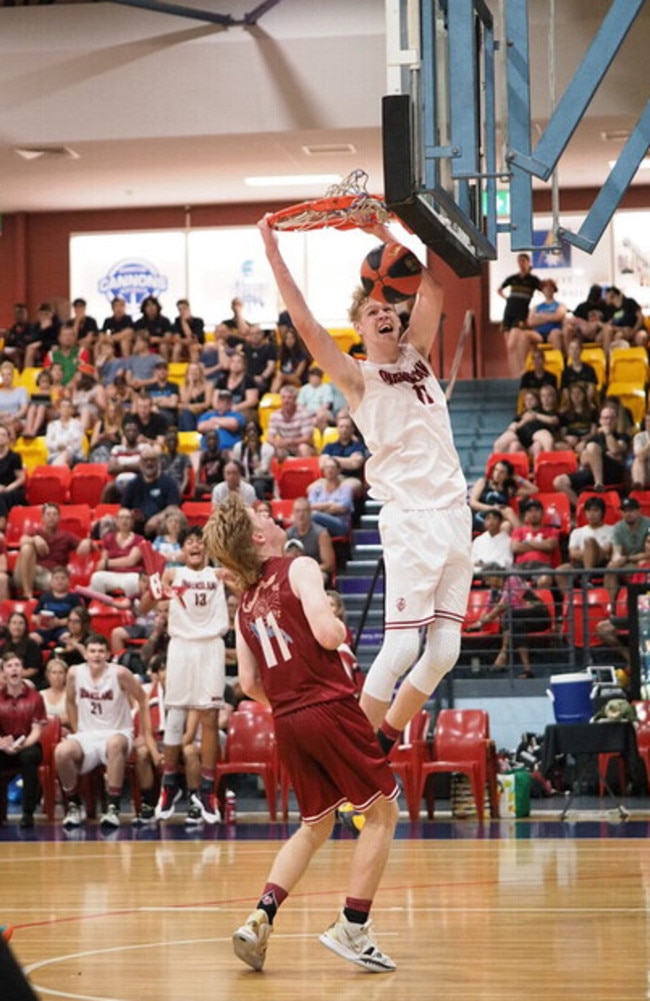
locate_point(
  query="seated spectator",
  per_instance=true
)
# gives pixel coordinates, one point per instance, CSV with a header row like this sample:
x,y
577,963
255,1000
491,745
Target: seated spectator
x,y
624,321
211,463
118,328
107,365
244,392
536,429
14,401
121,392
578,419
12,477
64,437
157,326
590,546
188,332
641,461
292,362
22,714
164,394
577,370
42,335
233,483
124,459
16,336
68,354
149,493
314,539
331,499
538,375
17,640
317,397
215,358
107,433
624,423
236,326
291,428
39,410
349,452
498,490
261,357
54,696
152,425
544,322
167,543
228,422
42,549
53,608
255,457
72,642
89,400
121,561
586,320
535,546
628,544
493,545
602,460
139,367
174,463
195,397
85,327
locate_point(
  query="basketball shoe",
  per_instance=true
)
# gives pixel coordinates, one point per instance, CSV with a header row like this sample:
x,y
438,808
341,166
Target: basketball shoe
x,y
194,816
250,941
75,815
169,797
6,931
209,807
355,943
111,818
146,816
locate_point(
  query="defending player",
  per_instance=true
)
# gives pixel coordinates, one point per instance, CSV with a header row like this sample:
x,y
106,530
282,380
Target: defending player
x,y
196,673
287,635
425,524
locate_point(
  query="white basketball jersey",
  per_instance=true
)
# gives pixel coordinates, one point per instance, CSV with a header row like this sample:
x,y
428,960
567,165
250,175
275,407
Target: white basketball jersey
x,y
102,704
404,420
198,609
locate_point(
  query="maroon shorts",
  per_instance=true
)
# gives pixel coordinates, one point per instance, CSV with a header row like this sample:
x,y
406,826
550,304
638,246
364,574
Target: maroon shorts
x,y
333,757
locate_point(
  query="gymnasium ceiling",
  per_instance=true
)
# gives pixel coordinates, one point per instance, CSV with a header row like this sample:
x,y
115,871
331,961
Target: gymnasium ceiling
x,y
134,107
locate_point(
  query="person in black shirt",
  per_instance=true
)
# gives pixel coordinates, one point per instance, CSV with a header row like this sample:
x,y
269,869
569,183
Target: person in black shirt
x,y
157,325
261,358
586,320
152,426
538,376
12,477
119,327
16,336
624,321
83,325
523,286
189,333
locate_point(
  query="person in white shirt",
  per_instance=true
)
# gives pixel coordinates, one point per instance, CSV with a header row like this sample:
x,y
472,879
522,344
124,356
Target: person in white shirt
x,y
590,546
492,545
233,483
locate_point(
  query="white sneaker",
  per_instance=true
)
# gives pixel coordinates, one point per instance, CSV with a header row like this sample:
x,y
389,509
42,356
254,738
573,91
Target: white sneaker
x,y
169,797
250,941
355,943
75,816
111,818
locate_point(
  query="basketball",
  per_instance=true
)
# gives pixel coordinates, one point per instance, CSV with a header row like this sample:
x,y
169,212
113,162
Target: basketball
x,y
351,818
390,273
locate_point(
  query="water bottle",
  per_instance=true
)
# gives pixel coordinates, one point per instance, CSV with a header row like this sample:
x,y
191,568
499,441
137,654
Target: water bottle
x,y
231,807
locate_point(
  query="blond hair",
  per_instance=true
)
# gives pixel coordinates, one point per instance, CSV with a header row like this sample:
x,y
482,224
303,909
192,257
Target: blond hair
x,y
359,297
228,537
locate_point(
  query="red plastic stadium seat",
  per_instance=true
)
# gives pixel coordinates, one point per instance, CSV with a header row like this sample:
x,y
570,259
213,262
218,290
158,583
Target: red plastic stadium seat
x,y
75,518
517,459
104,618
48,483
477,605
87,483
251,749
25,605
598,608
461,743
548,465
282,510
612,506
197,512
295,475
22,521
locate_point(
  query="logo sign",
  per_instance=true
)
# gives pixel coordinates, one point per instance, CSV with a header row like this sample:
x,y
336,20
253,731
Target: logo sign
x,y
132,280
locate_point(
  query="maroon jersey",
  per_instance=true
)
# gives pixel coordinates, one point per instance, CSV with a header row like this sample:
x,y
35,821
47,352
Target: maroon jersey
x,y
19,712
296,671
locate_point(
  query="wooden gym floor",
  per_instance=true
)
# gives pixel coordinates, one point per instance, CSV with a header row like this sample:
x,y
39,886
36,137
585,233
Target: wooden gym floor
x,y
534,909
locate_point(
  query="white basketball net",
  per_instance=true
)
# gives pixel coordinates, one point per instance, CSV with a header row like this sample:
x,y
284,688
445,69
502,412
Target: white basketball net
x,y
364,209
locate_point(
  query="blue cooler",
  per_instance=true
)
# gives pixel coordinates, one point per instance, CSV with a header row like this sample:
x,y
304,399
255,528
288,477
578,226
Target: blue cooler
x,y
571,697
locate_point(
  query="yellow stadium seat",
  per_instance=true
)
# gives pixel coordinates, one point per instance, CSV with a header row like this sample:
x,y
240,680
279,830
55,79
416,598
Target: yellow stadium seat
x,y
327,435
189,442
268,403
595,356
33,452
629,365
553,361
631,396
345,337
27,378
177,370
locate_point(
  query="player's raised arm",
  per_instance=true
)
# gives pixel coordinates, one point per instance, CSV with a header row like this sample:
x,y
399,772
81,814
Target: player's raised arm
x,y
341,368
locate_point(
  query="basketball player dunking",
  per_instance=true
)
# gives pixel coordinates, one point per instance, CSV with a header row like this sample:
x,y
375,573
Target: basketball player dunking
x,y
425,524
196,672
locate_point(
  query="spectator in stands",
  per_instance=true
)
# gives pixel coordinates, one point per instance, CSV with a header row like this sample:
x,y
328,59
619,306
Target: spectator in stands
x,y
85,327
215,357
613,632
149,493
54,695
331,499
292,362
40,406
586,320
152,425
315,540
236,325
261,358
121,392
14,401
195,397
164,394
16,639
317,397
22,714
578,419
291,428
42,335
16,336
12,477
44,548
641,461
499,490
628,544
544,321
590,545
118,327
538,375
121,560
124,459
233,483
64,437
243,388
625,422
523,286
211,463
536,428
624,324
107,365
157,326
53,608
255,457
140,366
107,433
89,399
535,546
188,332
520,610
348,450
228,422
176,464
577,370
602,460
493,545
72,643
168,542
